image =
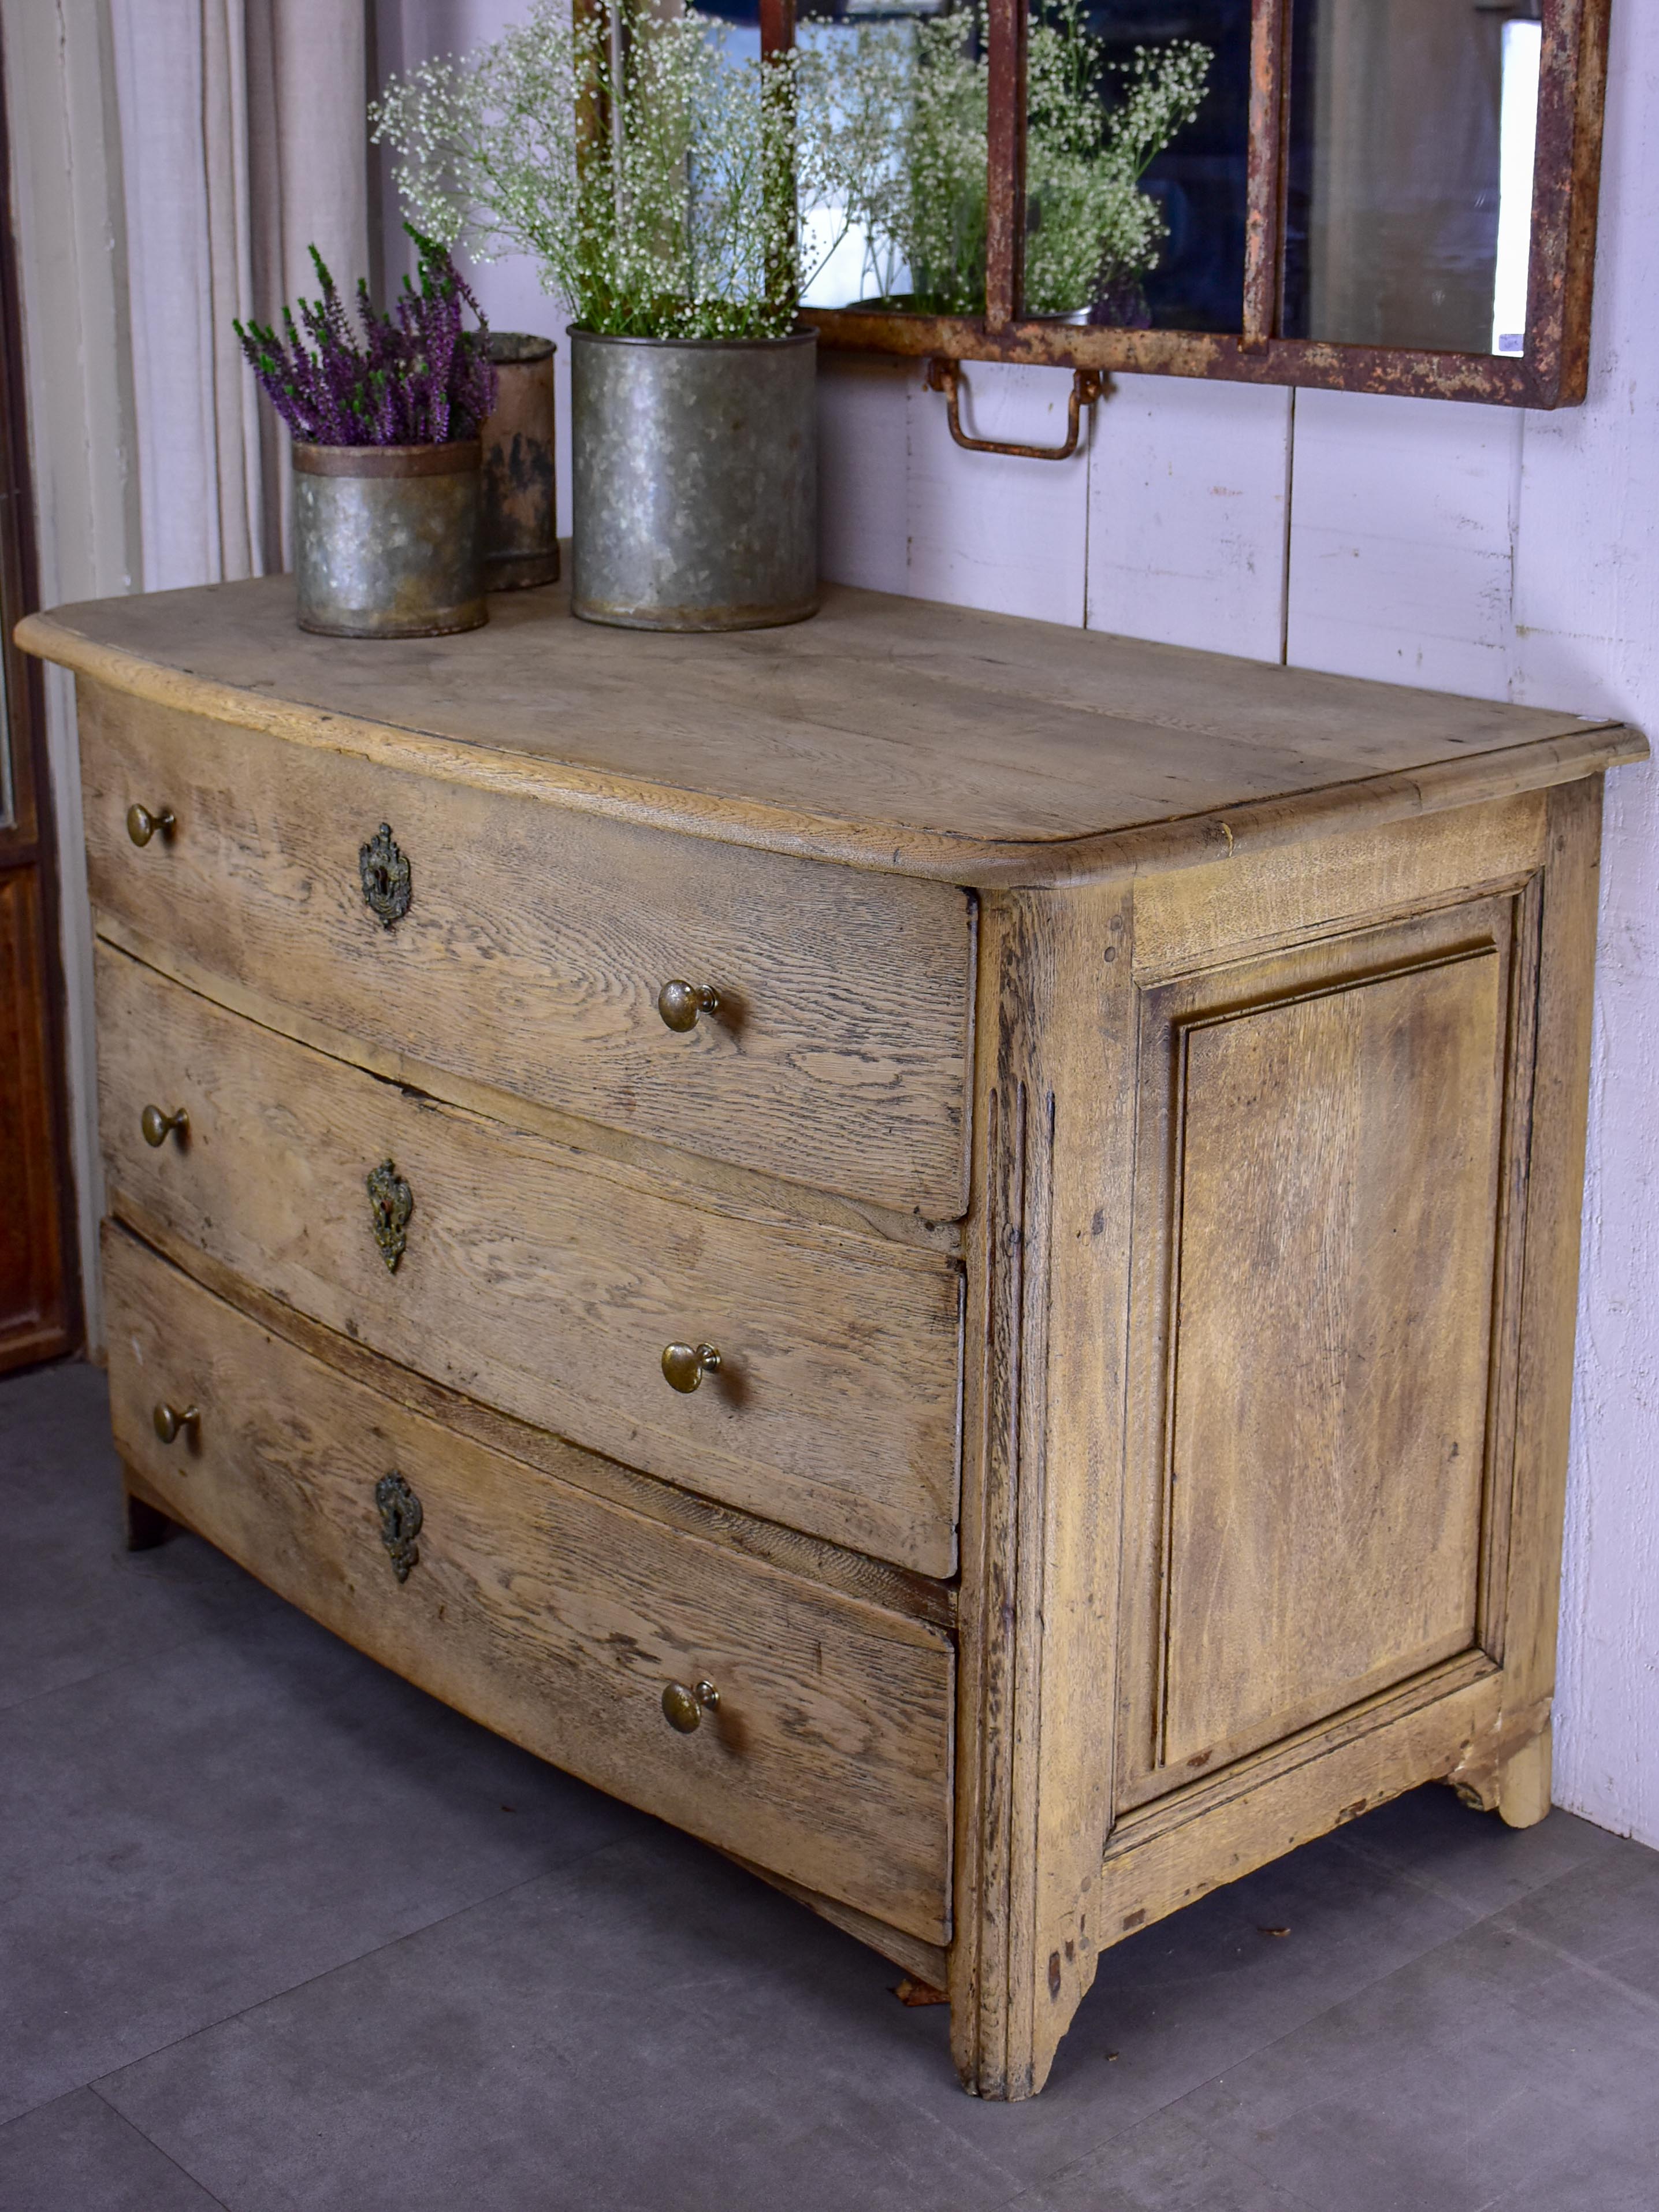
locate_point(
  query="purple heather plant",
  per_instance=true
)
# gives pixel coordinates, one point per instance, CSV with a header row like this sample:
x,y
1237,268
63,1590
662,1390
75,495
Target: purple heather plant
x,y
418,380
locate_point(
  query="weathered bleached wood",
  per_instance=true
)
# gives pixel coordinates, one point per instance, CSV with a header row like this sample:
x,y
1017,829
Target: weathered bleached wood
x,y
835,1406
754,1196
1315,1503
536,942
1161,1860
1278,1049
549,1615
889,733
1549,1289
897,1588
1047,1290
1190,917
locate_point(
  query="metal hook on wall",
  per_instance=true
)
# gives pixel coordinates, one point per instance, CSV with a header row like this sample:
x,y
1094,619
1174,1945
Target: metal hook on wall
x,y
1087,386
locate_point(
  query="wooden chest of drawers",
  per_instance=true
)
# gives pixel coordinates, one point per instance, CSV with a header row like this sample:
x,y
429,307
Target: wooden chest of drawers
x,y
1036,1380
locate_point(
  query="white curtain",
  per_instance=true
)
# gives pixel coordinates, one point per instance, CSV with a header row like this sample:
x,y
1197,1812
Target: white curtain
x,y
243,141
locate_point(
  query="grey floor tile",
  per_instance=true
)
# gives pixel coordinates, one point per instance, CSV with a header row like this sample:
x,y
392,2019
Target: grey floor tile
x,y
1605,1917
186,1835
78,2155
74,1603
600,2039
1202,1991
1474,2071
1165,2165
1472,1857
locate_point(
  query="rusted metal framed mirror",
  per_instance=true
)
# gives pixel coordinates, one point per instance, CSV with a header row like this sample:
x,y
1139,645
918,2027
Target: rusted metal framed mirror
x,y
1393,195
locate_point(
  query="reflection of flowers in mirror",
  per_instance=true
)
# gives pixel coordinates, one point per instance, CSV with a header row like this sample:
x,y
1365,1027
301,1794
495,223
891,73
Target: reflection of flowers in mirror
x,y
898,111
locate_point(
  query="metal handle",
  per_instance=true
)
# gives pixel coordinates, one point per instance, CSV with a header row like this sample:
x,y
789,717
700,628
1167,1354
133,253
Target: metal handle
x,y
686,1364
679,1003
1087,384
159,1126
684,1708
141,824
168,1423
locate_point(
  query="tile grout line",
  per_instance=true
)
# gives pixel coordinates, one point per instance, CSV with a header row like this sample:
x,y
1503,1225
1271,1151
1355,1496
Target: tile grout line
x,y
161,2150
291,1988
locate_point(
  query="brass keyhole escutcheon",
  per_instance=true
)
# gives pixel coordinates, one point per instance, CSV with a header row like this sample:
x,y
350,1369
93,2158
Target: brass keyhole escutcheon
x,y
686,1364
684,1708
158,1126
400,1523
383,871
391,1203
141,824
680,1003
169,1424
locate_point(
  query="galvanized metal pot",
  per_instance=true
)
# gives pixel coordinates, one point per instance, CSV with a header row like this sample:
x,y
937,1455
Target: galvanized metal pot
x,y
520,532
386,539
694,481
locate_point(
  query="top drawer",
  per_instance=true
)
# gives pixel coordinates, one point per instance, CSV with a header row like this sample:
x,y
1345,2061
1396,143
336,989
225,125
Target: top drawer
x,y
536,940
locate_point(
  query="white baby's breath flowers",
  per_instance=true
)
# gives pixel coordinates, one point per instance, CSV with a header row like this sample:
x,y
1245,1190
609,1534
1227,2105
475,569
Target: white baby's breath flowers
x,y
668,187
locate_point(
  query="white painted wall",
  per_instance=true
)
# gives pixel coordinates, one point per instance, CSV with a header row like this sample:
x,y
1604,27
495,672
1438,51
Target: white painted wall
x,y
1474,550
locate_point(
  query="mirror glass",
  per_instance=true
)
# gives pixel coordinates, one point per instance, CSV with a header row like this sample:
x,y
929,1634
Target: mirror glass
x,y
1409,205
1138,115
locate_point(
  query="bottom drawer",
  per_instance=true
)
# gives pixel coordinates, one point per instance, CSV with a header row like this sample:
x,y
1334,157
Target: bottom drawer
x,y
550,1615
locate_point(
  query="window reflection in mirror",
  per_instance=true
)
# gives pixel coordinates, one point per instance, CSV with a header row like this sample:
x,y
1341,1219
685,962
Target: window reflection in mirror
x,y
1409,209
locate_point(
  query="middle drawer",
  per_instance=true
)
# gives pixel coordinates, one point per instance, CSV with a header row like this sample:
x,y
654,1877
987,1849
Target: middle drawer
x,y
546,1280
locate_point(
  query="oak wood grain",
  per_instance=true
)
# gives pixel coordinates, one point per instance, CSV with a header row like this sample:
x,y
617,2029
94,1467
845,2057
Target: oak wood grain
x,y
888,733
536,943
549,1615
1048,1246
835,1406
1313,1499
1547,1306
898,1589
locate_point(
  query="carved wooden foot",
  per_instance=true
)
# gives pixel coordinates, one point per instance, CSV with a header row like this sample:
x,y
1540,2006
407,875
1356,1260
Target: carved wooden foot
x,y
1524,1782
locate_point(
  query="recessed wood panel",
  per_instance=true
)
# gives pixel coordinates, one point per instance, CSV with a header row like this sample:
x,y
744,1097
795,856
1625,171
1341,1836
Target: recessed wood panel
x,y
1333,1321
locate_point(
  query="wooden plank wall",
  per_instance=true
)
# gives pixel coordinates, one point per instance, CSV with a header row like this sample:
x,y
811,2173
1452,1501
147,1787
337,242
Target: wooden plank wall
x,y
1473,549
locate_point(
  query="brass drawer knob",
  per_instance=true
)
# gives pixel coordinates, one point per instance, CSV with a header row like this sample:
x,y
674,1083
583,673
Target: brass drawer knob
x,y
679,1003
169,1424
141,824
684,1708
686,1364
159,1126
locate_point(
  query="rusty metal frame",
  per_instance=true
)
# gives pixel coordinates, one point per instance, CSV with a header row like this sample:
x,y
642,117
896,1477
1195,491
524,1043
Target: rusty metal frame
x,y
1553,372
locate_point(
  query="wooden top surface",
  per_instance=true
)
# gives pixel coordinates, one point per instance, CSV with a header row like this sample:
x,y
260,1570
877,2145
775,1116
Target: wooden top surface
x,y
891,732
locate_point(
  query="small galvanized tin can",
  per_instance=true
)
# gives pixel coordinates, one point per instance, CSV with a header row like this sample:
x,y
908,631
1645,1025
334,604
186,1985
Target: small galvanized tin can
x,y
520,527
694,481
386,539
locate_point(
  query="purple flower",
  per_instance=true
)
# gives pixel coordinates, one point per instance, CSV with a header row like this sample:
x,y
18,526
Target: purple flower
x,y
418,379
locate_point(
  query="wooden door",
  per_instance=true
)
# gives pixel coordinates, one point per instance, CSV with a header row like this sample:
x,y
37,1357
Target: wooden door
x,y
1317,1504
39,1307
